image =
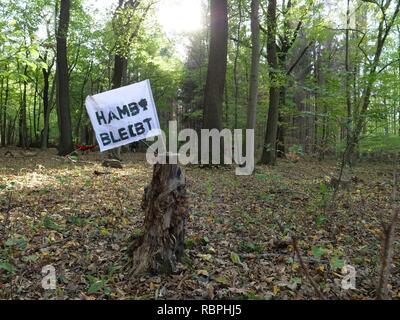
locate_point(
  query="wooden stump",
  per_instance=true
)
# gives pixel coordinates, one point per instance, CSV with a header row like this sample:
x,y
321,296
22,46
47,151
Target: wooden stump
x,y
165,204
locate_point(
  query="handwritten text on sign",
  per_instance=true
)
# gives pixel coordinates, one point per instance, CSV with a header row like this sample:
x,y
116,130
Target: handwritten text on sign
x,y
124,115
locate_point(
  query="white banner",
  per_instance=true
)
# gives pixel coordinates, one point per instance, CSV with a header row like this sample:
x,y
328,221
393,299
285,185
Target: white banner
x,y
124,115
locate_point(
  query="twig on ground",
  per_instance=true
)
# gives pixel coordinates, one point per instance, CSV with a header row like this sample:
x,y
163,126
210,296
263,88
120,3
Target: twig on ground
x,y
387,247
301,262
305,269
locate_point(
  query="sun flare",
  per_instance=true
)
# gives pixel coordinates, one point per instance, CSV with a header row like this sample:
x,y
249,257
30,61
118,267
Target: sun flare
x,y
180,16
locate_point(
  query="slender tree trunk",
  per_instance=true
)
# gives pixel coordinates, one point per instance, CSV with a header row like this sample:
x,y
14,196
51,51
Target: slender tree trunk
x,y
119,69
398,85
1,108
46,108
35,111
65,143
255,65
269,148
216,72
23,132
348,76
384,28
280,146
226,105
78,124
235,64
4,128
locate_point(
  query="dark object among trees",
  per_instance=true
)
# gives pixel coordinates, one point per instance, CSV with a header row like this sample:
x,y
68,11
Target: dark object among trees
x,y
166,209
215,83
64,117
269,148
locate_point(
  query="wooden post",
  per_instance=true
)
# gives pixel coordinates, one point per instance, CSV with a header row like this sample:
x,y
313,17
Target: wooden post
x,y
165,204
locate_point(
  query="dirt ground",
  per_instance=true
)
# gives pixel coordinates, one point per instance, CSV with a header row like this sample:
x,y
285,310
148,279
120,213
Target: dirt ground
x,y
77,216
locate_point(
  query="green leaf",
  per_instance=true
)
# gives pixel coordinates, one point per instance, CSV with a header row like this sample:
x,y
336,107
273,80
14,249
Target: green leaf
x,y
336,263
31,258
6,266
48,223
324,188
96,286
318,252
34,53
205,240
235,258
320,220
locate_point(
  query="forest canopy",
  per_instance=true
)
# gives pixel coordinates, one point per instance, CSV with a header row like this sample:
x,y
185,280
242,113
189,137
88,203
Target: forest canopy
x,y
336,76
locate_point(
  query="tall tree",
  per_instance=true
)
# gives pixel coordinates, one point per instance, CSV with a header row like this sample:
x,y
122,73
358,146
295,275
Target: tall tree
x,y
65,143
46,104
214,90
236,62
255,65
348,74
386,23
269,148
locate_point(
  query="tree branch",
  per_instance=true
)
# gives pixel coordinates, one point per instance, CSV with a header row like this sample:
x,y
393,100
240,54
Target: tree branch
x,y
289,71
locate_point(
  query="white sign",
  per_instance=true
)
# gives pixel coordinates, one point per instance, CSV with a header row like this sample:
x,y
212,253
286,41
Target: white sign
x,y
124,115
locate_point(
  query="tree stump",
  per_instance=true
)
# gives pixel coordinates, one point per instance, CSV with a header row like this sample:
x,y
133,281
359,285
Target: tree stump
x,y
165,204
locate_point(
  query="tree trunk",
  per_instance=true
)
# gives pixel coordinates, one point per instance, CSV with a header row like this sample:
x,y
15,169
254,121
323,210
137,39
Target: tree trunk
x,y
216,73
82,106
65,143
23,132
119,66
1,108
383,33
255,65
398,88
235,64
348,76
46,109
280,145
165,204
35,111
4,128
269,148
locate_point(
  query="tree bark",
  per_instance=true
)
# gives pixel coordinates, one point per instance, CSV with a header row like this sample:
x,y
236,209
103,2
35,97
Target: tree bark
x,y
348,76
216,73
82,106
255,65
5,102
35,111
65,127
22,127
269,148
165,205
46,108
235,63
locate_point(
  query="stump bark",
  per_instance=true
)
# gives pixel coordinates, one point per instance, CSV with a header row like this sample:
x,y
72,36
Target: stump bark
x,y
165,204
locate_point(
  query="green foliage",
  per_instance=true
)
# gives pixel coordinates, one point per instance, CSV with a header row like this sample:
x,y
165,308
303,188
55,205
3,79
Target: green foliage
x,y
318,252
235,258
6,266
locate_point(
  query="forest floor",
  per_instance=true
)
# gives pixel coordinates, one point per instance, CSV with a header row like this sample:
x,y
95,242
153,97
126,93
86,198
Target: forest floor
x,y
79,216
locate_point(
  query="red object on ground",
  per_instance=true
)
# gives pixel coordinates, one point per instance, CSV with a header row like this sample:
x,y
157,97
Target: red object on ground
x,y
86,148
